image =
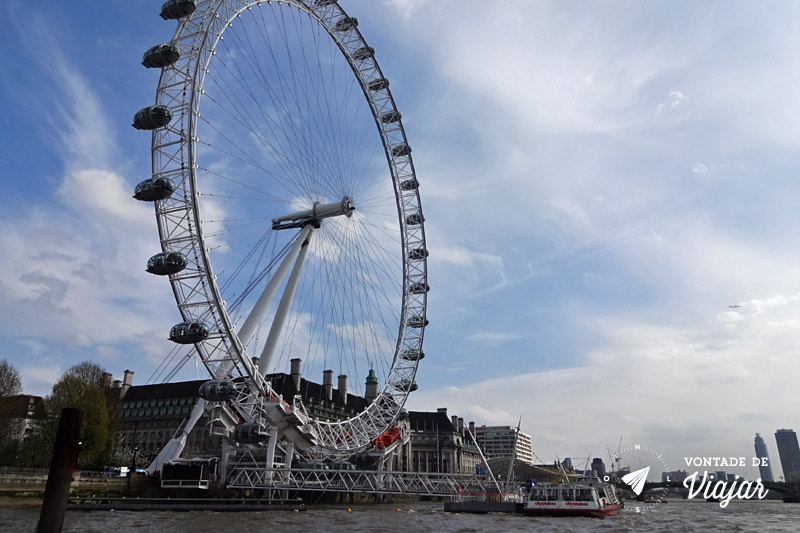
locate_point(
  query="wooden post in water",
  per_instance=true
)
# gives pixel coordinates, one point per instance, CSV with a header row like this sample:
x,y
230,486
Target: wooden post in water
x,y
59,479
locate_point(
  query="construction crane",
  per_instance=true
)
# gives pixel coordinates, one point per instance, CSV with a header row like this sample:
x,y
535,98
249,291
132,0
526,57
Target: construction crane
x,y
616,457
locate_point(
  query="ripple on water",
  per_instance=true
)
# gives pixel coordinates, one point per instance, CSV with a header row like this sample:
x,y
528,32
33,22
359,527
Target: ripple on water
x,y
689,517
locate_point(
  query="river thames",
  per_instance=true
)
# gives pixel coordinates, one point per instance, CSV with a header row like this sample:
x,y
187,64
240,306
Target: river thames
x,y
692,516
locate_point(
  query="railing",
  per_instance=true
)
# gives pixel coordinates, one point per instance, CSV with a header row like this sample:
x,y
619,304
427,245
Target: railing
x,y
14,470
361,481
184,483
489,497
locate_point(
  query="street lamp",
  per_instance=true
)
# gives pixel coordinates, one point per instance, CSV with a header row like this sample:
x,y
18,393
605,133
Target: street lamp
x,y
133,458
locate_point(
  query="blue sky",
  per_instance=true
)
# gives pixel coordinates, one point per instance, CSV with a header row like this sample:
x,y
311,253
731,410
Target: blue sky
x,y
600,182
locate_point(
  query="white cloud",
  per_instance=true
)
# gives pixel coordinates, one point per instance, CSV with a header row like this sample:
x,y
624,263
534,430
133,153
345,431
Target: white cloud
x,y
653,384
494,337
463,257
407,8
39,379
674,99
74,284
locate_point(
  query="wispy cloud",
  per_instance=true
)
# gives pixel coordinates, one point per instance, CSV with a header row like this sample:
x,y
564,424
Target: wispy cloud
x,y
494,337
74,266
650,382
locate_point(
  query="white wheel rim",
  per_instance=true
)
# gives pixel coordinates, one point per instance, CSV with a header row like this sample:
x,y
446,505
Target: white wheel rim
x,y
200,295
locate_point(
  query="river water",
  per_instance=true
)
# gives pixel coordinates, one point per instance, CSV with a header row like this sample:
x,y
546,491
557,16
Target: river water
x,y
683,516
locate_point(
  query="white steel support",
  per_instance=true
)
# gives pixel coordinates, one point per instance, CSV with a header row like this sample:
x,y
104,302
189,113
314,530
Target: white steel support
x,y
485,462
289,454
287,461
172,450
224,458
273,442
250,324
283,307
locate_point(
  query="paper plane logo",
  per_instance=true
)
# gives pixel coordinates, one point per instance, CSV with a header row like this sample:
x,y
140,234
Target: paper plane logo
x,y
636,480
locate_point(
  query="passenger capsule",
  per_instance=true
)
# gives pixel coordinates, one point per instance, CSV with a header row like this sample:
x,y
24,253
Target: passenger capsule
x,y
177,9
412,354
188,332
363,53
167,263
250,433
346,23
390,116
401,150
415,219
153,189
378,85
153,117
419,288
402,414
410,184
418,254
161,55
416,321
407,385
218,390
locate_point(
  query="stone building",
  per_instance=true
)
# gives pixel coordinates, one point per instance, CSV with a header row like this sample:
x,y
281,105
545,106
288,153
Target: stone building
x,y
441,444
152,414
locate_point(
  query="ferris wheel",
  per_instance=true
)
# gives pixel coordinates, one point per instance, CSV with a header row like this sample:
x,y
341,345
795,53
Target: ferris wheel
x,y
288,211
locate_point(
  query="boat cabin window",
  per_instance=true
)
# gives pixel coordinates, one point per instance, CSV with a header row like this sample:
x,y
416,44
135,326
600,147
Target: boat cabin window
x,y
583,495
568,495
544,494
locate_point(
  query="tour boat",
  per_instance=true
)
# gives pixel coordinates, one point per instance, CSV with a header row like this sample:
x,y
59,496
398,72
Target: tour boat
x,y
580,498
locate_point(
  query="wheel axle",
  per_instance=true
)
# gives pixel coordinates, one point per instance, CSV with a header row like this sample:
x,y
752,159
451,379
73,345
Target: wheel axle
x,y
314,215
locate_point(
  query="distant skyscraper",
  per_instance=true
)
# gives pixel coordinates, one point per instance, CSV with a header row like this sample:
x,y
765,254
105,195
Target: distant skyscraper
x,y
761,453
598,467
789,451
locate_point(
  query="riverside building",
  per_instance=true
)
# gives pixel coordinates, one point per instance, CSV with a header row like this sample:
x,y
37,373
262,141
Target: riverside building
x,y
441,444
765,468
789,452
500,441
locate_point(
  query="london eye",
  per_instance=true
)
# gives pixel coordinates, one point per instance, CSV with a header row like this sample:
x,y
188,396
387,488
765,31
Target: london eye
x,y
288,213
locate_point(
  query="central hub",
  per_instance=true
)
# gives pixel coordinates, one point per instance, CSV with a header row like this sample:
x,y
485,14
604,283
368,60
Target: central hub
x,y
314,215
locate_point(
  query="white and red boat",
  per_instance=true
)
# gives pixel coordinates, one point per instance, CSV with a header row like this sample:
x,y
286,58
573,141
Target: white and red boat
x,y
590,498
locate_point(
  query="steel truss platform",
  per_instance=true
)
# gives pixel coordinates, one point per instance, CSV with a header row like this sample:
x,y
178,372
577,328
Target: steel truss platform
x,y
362,481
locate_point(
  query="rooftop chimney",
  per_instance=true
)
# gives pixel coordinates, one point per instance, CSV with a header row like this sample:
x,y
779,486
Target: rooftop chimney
x,y
106,380
454,421
461,426
472,428
442,410
343,388
127,381
327,382
296,373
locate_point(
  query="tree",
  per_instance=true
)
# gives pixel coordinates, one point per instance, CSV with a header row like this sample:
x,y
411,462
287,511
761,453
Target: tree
x,y
90,373
10,380
11,424
83,386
